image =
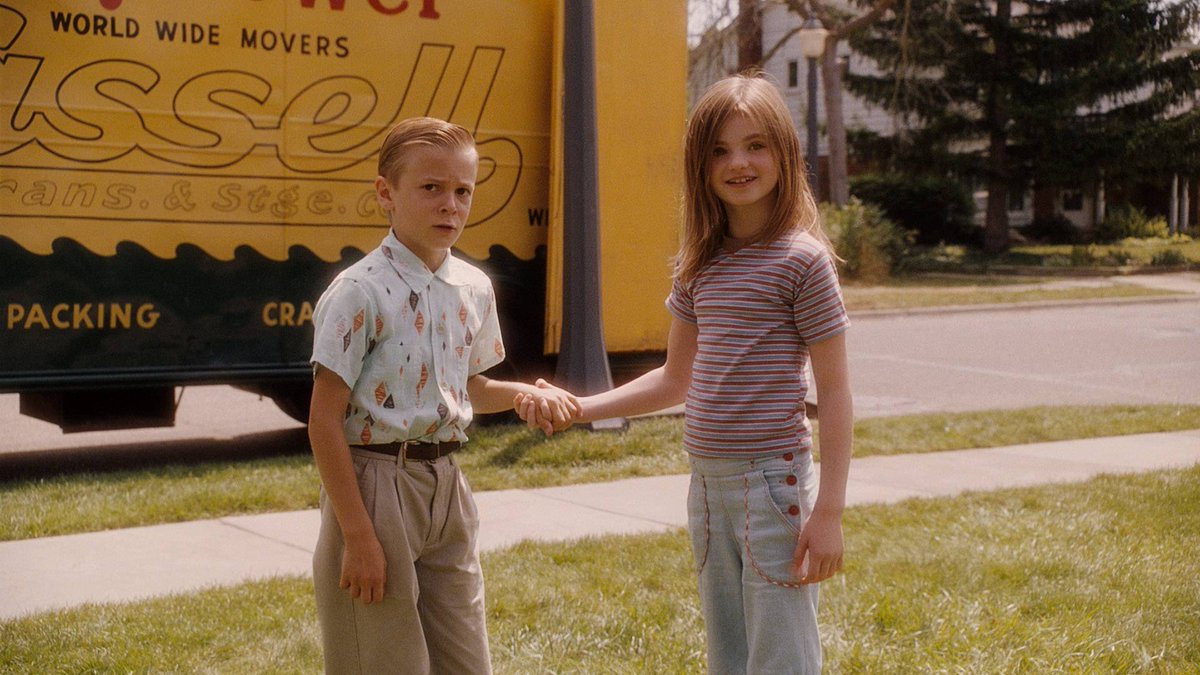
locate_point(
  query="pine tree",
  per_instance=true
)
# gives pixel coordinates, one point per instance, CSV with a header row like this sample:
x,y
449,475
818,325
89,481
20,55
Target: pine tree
x,y
1044,92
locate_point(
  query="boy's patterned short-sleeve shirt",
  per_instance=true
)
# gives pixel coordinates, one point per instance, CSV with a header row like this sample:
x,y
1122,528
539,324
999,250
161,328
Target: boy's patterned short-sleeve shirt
x,y
756,311
406,340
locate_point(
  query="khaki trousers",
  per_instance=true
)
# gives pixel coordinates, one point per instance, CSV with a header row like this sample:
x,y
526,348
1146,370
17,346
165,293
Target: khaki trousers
x,y
432,618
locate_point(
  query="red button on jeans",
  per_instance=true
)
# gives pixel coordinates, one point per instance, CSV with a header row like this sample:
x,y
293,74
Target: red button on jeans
x,y
789,457
791,480
793,510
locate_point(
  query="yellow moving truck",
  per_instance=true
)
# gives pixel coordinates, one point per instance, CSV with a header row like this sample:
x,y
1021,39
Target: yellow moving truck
x,y
180,181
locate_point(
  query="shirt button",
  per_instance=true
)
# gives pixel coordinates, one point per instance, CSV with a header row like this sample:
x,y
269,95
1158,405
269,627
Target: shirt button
x,y
791,480
793,510
789,457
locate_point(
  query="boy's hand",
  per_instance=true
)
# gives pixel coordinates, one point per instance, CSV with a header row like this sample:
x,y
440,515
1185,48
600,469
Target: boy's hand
x,y
526,408
821,542
364,570
549,408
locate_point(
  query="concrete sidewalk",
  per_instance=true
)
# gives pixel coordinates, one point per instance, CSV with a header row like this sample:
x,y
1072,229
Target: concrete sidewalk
x,y
122,565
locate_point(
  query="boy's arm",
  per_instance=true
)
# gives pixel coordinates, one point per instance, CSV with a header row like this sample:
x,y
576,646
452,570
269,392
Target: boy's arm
x,y
821,539
364,568
557,408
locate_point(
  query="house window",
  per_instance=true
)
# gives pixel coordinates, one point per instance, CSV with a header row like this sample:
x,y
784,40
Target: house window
x,y
1072,200
793,73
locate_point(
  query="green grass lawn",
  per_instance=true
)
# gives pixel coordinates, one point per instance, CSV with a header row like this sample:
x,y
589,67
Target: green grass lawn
x,y
1096,577
1130,252
906,294
1149,253
505,457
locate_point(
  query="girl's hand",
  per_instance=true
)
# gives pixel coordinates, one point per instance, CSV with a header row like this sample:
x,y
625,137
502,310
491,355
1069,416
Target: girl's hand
x,y
564,406
821,542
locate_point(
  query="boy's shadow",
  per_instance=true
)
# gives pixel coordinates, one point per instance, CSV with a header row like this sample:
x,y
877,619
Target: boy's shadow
x,y
152,454
515,451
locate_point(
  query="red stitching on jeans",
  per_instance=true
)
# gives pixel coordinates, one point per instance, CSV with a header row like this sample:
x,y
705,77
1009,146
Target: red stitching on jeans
x,y
746,540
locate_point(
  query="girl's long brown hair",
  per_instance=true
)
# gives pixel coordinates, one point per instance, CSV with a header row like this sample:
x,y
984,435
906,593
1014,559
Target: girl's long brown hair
x,y
705,221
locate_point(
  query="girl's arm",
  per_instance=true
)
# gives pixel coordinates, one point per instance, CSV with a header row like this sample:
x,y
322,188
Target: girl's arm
x,y
660,388
364,567
821,539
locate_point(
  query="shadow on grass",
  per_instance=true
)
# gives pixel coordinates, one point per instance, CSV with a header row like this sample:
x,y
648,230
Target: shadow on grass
x,y
512,452
153,454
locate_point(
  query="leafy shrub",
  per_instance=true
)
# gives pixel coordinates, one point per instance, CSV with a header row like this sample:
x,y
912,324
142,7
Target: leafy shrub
x,y
937,209
1082,256
1168,258
872,247
1056,229
1128,221
1120,257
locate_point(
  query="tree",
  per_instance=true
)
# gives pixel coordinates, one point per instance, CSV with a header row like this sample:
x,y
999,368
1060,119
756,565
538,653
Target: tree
x,y
841,25
1041,92
749,34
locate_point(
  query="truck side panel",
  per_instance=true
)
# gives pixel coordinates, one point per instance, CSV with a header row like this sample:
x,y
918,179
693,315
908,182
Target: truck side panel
x,y
179,181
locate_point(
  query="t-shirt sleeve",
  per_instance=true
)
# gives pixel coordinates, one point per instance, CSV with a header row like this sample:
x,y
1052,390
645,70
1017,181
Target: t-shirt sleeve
x,y
819,311
340,335
679,303
487,349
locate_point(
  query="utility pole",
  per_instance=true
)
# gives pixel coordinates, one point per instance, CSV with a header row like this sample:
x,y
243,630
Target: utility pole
x,y
583,357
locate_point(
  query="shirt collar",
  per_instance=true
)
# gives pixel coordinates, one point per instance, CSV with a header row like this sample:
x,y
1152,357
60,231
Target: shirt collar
x,y
414,271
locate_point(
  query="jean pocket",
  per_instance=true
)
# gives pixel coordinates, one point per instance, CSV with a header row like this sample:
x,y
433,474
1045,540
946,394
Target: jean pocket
x,y
774,517
698,514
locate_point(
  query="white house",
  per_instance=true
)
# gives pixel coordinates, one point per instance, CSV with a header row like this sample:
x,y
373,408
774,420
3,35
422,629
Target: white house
x,y
715,56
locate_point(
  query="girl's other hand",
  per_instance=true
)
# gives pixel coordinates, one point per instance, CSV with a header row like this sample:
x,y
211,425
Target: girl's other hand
x,y
821,542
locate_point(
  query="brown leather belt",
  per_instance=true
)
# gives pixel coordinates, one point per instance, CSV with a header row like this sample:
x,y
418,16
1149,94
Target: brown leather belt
x,y
413,449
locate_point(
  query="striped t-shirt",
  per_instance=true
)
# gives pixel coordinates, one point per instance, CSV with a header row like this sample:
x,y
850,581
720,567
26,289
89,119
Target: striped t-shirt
x,y
756,311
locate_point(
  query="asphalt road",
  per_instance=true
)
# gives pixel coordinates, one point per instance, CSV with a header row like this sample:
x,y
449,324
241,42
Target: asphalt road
x,y
1090,354
1081,355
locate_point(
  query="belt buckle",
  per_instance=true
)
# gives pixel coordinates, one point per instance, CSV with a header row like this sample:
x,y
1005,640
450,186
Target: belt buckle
x,y
407,444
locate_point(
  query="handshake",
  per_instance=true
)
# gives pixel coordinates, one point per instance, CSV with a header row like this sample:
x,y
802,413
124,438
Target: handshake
x,y
547,407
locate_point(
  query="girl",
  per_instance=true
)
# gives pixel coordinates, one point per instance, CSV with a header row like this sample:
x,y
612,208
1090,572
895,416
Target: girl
x,y
755,296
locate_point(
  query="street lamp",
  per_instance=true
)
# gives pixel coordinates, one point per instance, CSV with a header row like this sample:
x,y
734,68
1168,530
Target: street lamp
x,y
812,44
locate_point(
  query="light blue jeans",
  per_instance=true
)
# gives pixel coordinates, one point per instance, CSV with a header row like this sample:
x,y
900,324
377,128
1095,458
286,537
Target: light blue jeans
x,y
744,518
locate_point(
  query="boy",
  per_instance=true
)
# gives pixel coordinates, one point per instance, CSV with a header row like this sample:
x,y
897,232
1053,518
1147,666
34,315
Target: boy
x,y
401,339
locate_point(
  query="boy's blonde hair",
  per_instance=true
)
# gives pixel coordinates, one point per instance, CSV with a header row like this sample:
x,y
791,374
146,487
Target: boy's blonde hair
x,y
705,220
419,131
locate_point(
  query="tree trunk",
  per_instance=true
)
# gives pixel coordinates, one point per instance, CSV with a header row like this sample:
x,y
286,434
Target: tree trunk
x,y
831,78
1043,202
995,231
835,125
749,34
1173,207
1185,207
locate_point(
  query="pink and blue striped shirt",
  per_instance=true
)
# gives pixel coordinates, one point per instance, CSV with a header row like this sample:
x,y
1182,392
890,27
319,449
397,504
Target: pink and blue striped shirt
x,y
756,310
